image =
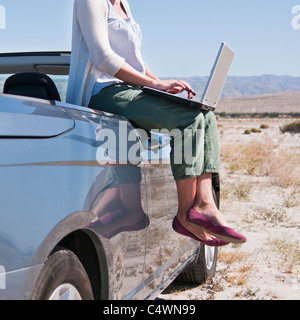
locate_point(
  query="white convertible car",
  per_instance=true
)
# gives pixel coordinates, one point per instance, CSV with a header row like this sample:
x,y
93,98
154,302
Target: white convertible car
x,y
74,226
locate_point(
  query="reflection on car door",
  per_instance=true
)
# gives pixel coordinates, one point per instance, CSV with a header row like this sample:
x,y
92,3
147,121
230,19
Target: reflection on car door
x,y
166,250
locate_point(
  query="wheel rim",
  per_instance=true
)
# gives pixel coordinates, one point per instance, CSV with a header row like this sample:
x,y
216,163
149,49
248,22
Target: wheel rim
x,y
209,256
65,292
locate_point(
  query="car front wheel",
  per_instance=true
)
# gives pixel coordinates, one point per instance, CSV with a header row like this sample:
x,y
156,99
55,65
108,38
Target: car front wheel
x,y
203,267
63,277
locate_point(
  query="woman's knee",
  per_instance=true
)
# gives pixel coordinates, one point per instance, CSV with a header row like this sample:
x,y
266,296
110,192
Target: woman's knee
x,y
210,117
211,120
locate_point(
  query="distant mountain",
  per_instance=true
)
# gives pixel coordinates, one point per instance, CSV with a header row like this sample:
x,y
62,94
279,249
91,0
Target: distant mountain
x,y
250,86
234,87
283,102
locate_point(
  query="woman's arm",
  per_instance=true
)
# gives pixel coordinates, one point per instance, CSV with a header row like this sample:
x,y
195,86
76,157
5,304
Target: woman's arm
x,y
128,74
91,17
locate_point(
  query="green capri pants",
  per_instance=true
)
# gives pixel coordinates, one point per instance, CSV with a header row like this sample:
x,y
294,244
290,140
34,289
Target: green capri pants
x,y
194,153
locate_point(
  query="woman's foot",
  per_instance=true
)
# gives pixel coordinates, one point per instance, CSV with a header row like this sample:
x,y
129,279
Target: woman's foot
x,y
212,213
193,229
211,223
181,230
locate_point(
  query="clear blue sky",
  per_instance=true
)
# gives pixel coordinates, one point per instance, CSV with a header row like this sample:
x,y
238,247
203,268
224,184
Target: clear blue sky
x,y
180,38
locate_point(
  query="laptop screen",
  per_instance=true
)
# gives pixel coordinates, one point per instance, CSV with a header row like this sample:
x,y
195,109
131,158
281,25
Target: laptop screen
x,y
218,75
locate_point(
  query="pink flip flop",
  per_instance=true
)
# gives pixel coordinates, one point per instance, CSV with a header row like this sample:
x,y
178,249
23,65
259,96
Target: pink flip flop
x,y
179,228
224,233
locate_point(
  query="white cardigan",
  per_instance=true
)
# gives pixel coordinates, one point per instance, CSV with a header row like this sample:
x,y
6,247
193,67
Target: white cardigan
x,y
91,51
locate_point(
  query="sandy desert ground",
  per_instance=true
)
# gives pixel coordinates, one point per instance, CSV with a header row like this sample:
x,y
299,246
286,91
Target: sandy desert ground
x,y
260,197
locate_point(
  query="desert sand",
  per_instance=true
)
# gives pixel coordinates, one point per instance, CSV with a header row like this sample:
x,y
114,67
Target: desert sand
x,y
260,197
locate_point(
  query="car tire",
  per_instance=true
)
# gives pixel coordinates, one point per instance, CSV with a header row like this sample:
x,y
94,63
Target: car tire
x,y
203,268
63,277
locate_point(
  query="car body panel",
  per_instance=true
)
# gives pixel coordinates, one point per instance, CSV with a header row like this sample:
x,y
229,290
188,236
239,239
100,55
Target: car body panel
x,y
53,184
166,250
24,118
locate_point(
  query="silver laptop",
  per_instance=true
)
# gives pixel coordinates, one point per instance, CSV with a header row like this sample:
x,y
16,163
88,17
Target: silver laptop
x,y
214,86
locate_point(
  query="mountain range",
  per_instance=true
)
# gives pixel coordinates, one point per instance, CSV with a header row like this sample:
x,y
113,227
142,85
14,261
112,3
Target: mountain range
x,y
237,86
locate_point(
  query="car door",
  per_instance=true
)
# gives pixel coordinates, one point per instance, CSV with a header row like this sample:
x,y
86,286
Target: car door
x,y
116,196
167,251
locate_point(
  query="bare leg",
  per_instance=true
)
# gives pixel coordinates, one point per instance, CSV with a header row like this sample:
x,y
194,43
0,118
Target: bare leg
x,y
187,191
204,202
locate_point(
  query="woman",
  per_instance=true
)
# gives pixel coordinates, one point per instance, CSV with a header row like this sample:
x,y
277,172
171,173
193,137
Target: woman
x,y
106,73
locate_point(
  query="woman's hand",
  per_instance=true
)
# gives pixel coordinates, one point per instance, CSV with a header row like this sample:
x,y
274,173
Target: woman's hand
x,y
175,86
130,75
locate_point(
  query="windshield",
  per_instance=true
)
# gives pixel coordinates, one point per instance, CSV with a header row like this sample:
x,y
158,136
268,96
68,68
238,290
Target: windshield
x,y
35,25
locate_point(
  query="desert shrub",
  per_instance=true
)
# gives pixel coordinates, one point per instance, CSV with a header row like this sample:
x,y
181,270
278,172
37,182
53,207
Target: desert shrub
x,y
242,191
293,127
262,159
254,130
293,199
275,215
264,126
287,250
253,158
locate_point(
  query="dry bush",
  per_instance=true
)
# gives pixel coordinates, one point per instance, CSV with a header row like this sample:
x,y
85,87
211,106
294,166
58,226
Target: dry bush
x,y
232,257
274,216
288,251
293,127
285,169
253,158
237,274
293,199
262,159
